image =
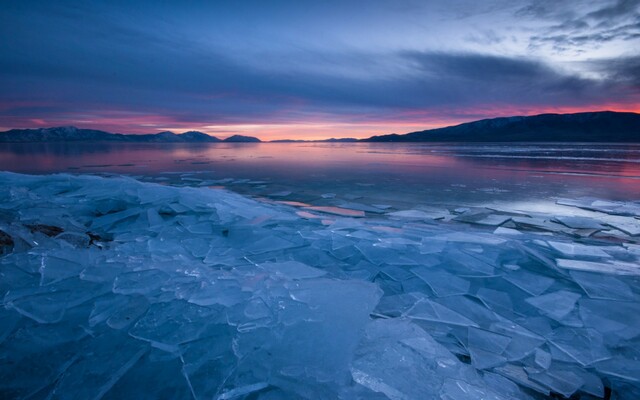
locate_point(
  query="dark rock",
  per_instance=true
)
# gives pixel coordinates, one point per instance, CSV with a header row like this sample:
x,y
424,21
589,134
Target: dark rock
x,y
48,230
6,243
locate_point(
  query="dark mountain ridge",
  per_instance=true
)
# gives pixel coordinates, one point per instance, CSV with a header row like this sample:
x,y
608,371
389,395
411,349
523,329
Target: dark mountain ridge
x,y
73,134
602,126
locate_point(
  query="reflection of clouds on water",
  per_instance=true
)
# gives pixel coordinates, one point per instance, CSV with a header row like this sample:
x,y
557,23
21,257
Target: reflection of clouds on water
x,y
401,172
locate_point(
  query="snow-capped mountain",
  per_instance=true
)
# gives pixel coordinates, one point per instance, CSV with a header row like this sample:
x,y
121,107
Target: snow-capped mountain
x,y
73,134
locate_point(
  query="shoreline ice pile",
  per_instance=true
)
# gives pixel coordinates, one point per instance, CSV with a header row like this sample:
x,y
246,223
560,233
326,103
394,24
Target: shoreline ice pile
x,y
116,289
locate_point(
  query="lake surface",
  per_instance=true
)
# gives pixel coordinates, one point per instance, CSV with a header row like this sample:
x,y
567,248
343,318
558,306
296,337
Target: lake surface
x,y
399,175
340,271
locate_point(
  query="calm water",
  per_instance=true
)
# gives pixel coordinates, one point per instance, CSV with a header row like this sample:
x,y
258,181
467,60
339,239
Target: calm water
x,y
401,175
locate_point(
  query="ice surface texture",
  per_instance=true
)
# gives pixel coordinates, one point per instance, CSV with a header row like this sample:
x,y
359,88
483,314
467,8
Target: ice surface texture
x,y
118,289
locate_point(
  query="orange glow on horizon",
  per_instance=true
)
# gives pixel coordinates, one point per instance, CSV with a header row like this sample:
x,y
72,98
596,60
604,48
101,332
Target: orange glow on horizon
x,y
355,126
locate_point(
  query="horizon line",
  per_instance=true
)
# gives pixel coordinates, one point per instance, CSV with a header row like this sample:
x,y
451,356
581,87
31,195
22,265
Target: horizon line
x,y
160,131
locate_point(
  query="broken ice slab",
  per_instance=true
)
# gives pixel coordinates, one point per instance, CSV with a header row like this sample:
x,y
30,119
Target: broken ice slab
x,y
504,386
378,254
102,272
459,389
292,270
100,367
507,231
496,300
198,247
475,238
269,244
240,392
427,310
493,220
54,269
122,316
396,305
321,343
622,368
523,341
31,373
599,286
441,282
224,292
247,298
141,282
420,214
396,273
538,223
614,319
586,346
470,308
166,325
628,225
482,359
487,341
531,283
579,222
519,375
431,247
605,206
75,239
578,250
556,305
565,382
592,383
48,304
542,358
401,361
8,321
108,220
611,267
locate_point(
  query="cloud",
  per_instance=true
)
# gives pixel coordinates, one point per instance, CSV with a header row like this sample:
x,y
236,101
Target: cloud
x,y
95,62
578,28
623,71
620,8
211,89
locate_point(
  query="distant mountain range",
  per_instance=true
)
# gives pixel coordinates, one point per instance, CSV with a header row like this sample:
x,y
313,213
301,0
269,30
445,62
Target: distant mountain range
x,y
603,126
73,134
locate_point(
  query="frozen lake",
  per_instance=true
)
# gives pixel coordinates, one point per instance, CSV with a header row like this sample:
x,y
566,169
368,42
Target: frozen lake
x,y
334,271
403,175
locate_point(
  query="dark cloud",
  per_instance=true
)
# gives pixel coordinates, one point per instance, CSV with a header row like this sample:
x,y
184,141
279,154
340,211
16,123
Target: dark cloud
x,y
211,88
477,78
578,31
621,8
88,59
624,71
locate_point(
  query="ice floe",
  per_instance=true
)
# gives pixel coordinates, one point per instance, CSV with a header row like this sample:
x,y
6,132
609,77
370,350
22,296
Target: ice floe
x,y
113,288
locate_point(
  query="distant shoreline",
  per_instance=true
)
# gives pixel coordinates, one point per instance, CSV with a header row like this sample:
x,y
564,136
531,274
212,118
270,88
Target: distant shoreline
x,y
607,127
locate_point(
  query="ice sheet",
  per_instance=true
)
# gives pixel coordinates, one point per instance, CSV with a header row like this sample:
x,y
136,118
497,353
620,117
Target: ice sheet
x,y
209,294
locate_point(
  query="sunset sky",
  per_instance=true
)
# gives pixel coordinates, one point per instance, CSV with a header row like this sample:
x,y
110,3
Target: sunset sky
x,y
311,70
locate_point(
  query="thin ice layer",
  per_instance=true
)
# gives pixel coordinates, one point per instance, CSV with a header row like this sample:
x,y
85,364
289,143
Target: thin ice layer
x,y
202,293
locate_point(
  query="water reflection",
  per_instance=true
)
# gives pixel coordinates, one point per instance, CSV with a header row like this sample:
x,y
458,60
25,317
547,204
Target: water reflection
x,y
423,172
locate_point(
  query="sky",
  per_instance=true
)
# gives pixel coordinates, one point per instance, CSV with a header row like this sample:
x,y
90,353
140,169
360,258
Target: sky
x,y
311,70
